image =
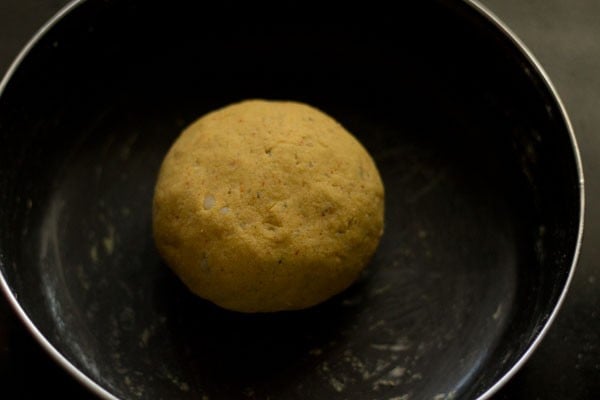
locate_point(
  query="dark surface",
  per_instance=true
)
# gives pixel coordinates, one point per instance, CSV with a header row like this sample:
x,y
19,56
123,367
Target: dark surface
x,y
26,361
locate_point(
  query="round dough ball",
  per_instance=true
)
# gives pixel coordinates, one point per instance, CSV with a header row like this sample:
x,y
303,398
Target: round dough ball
x,y
267,205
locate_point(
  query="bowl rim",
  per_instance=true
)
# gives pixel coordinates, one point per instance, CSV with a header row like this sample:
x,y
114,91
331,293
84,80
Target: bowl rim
x,y
539,70
483,12
58,357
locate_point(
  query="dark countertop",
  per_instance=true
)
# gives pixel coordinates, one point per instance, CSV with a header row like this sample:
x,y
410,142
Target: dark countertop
x,y
565,37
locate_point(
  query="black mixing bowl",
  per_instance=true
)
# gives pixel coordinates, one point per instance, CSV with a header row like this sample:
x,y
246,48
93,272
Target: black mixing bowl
x,y
484,197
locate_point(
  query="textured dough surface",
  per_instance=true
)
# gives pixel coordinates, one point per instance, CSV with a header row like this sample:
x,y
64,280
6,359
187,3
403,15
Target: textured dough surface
x,y
267,205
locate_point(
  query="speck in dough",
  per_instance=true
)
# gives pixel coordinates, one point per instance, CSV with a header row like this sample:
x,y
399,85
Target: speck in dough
x,y
267,205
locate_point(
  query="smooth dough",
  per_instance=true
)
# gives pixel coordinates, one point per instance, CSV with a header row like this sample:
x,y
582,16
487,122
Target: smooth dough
x,y
267,205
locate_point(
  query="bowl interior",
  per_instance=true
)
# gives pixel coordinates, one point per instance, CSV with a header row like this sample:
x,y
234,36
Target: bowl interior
x,y
482,198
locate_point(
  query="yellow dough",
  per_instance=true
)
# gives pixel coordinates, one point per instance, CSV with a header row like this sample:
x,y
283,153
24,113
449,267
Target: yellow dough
x,y
266,206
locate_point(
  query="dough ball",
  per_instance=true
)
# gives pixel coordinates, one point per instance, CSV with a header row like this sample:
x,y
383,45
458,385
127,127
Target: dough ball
x,y
267,205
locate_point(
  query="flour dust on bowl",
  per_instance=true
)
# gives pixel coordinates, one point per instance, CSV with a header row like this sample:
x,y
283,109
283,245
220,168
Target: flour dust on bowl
x,y
483,198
